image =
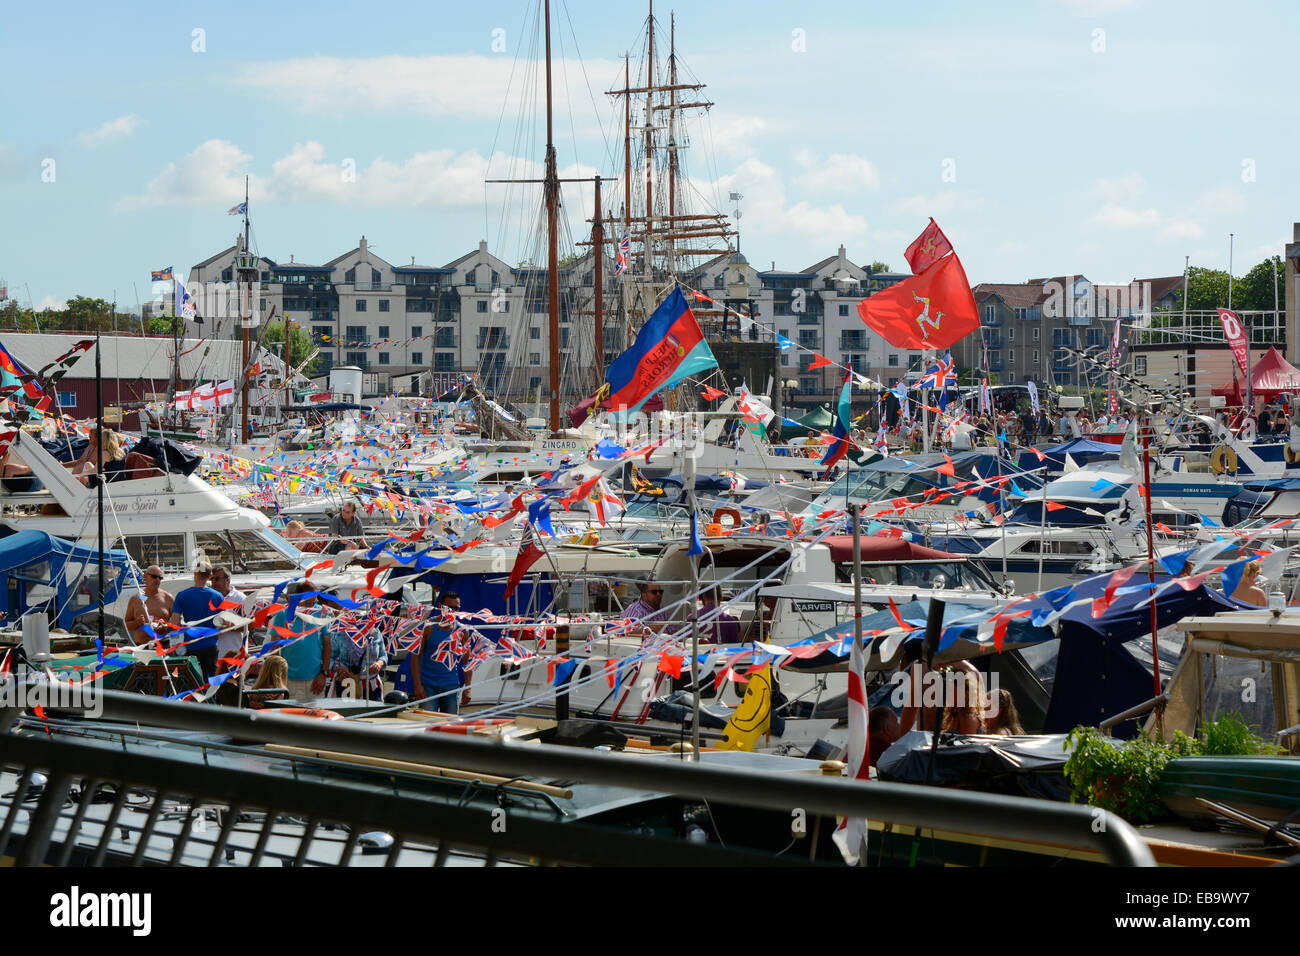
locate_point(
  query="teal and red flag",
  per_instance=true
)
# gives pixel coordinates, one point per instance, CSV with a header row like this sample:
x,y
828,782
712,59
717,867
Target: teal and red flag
x,y
669,348
839,448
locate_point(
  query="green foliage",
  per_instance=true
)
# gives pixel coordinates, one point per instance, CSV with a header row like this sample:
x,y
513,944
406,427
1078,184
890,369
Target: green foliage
x,y
166,325
300,343
1256,290
1123,777
1230,736
1207,289
878,266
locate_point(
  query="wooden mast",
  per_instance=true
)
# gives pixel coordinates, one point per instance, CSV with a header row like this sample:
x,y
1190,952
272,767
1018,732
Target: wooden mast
x,y
598,247
552,256
672,141
247,275
649,149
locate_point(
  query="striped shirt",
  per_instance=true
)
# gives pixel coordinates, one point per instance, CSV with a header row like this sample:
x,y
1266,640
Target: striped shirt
x,y
640,610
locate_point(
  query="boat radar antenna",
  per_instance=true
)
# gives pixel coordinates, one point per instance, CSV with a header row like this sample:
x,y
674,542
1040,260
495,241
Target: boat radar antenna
x,y
736,198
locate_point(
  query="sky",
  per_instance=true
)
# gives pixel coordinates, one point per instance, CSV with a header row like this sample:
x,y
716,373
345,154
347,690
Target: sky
x,y
1105,138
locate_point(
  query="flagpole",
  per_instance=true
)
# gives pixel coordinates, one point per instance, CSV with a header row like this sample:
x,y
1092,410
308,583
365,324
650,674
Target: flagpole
x,y
1151,561
99,472
695,618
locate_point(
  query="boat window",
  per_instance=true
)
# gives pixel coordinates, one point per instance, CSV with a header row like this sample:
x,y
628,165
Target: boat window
x,y
165,550
941,574
244,551
1224,677
1057,546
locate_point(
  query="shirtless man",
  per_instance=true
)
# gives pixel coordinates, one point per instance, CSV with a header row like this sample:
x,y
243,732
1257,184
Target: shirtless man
x,y
155,610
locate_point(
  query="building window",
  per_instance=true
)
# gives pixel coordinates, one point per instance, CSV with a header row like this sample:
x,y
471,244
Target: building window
x,y
357,358
361,305
417,331
913,363
226,275
444,362
374,276
718,281
67,399
417,358
383,358
481,305
1011,332
785,358
383,305
1011,356
356,333
844,310
893,360
470,276
322,330
1036,360
534,333
383,331
988,313
809,384
534,358
784,333
1139,365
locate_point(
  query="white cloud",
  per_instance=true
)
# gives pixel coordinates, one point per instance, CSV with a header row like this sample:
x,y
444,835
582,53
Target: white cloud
x,y
118,128
453,85
1123,190
838,173
937,205
1116,216
766,211
1224,201
1182,229
49,302
211,174
1275,248
1094,7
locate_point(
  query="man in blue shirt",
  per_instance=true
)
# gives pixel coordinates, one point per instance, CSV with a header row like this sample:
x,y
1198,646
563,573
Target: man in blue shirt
x,y
444,679
197,606
309,655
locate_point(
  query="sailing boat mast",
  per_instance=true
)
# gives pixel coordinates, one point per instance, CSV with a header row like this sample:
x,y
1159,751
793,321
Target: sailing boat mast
x,y
552,189
649,149
246,275
598,319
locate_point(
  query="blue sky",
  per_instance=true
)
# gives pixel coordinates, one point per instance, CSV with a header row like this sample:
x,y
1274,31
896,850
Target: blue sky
x,y
1041,145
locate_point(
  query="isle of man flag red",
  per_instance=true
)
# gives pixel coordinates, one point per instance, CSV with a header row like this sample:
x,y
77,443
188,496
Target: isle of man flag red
x,y
929,247
928,311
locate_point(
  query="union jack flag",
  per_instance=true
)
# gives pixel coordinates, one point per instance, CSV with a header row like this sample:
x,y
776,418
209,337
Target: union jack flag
x,y
624,252
940,375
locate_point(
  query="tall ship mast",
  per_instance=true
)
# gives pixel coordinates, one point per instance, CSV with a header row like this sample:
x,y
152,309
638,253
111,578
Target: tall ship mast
x,y
579,301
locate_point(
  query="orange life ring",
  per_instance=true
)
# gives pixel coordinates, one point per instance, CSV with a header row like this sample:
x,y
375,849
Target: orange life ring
x,y
319,713
732,512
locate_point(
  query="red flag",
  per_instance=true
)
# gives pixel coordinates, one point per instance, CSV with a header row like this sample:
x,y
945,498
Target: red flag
x,y
929,247
821,361
528,555
928,311
710,393
1236,338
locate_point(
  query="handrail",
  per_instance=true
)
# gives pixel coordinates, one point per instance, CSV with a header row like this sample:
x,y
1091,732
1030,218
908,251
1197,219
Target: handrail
x,y
912,805
1135,711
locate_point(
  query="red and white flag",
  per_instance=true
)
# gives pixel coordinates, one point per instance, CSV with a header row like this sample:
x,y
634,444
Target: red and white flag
x,y
1236,337
929,247
851,834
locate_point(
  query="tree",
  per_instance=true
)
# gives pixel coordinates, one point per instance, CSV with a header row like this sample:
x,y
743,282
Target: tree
x,y
878,266
1207,289
300,344
166,325
1256,289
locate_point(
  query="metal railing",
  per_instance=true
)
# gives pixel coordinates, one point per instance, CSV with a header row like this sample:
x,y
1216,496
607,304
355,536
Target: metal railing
x,y
166,790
